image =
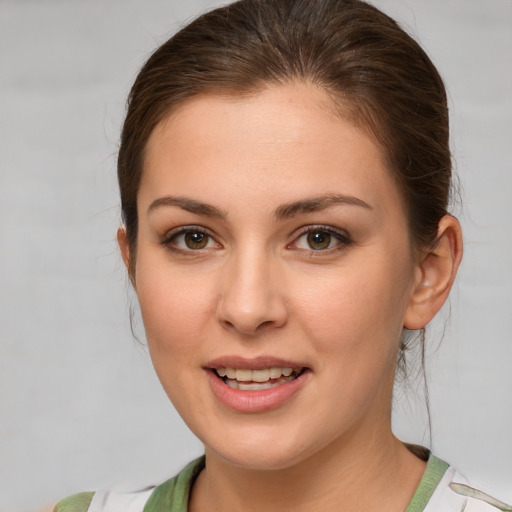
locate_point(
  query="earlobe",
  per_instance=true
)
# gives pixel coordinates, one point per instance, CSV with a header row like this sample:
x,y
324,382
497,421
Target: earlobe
x,y
435,274
124,247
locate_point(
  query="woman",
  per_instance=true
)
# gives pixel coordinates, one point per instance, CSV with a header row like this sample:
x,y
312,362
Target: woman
x,y
285,172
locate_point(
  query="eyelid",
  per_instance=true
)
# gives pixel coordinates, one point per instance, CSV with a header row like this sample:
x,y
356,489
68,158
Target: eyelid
x,y
341,235
169,236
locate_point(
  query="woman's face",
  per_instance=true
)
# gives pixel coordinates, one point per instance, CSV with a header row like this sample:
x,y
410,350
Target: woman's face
x,y
272,239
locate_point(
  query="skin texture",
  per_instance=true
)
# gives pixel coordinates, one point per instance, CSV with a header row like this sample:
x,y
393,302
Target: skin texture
x,y
258,290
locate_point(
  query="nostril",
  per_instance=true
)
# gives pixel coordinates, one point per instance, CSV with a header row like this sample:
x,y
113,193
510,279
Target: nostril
x,y
227,324
249,327
252,312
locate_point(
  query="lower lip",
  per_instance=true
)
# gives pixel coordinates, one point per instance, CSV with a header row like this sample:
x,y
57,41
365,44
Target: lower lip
x,y
255,401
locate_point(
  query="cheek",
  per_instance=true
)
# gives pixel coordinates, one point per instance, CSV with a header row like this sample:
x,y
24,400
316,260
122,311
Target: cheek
x,y
175,310
174,307
357,308
355,322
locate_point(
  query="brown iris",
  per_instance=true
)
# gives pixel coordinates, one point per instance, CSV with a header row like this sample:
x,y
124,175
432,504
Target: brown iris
x,y
196,240
318,240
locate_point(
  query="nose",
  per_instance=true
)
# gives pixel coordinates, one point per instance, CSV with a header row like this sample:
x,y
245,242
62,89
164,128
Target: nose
x,y
252,297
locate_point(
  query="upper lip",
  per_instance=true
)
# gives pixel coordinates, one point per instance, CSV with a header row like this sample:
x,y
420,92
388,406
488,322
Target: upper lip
x,y
256,363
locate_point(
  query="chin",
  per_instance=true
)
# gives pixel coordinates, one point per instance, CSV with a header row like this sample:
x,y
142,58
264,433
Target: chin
x,y
256,459
266,449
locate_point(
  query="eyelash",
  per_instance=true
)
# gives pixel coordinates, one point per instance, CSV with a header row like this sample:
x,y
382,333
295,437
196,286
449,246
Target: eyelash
x,y
172,236
341,237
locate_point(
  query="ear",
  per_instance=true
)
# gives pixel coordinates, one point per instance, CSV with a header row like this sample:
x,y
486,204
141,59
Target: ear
x,y
435,274
124,247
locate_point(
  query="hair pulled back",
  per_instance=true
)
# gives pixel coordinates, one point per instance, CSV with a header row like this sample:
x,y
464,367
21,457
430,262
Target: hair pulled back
x,y
377,75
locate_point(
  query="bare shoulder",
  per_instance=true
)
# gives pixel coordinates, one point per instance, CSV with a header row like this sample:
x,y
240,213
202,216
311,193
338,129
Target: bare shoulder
x,y
49,508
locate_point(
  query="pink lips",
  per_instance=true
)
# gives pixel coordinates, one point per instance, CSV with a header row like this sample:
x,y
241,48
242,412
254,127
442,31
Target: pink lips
x,y
254,401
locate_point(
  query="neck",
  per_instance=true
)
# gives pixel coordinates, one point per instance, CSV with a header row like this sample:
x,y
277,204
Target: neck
x,y
347,472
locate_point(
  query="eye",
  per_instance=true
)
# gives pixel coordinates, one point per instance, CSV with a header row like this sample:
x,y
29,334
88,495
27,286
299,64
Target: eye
x,y
318,240
195,240
321,239
189,239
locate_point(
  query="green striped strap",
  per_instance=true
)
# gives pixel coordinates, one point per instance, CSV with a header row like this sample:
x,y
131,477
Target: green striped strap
x,y
434,471
75,503
174,493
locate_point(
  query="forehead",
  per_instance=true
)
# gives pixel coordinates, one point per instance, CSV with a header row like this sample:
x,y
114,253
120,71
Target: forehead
x,y
284,139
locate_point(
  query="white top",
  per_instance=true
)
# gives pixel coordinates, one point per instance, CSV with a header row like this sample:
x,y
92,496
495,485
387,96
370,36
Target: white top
x,y
441,489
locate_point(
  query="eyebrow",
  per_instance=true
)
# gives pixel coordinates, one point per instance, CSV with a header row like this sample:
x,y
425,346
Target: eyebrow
x,y
316,204
190,205
284,211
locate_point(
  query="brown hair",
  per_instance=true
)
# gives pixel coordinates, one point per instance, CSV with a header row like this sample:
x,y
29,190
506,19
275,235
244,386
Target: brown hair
x,y
377,75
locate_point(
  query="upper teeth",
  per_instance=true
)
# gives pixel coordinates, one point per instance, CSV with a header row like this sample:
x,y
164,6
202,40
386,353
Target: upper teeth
x,y
244,375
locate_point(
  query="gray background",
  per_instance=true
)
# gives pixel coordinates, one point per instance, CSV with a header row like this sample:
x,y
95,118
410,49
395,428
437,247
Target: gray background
x,y
80,407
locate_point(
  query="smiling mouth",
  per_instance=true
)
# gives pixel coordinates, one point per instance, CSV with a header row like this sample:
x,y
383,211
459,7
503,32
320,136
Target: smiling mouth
x,y
255,380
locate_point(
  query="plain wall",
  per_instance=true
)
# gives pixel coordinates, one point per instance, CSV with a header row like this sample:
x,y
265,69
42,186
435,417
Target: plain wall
x,y
80,407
